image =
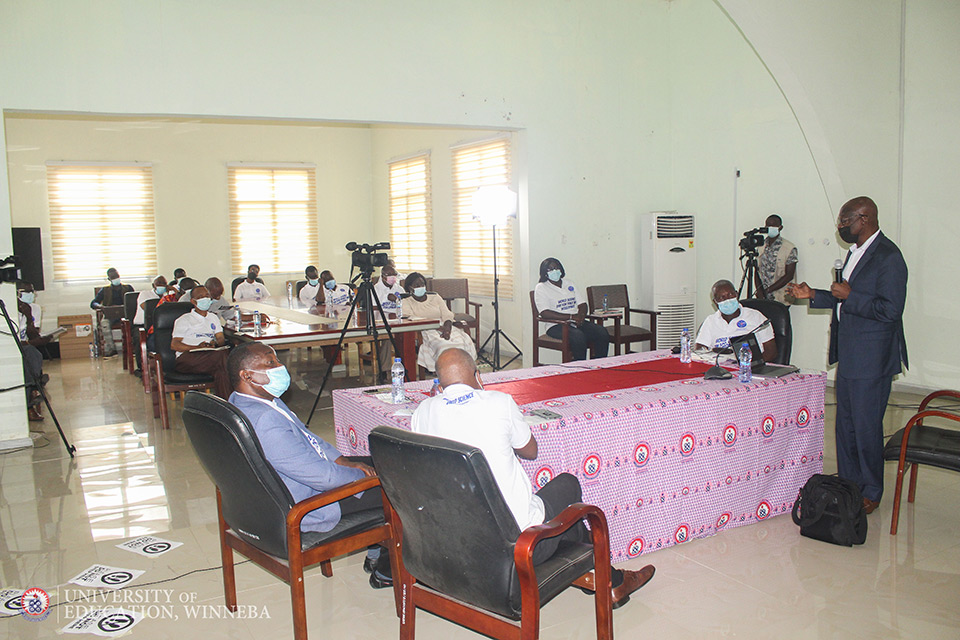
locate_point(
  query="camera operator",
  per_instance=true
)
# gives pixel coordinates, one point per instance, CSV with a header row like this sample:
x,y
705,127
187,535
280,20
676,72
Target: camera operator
x,y
30,339
777,263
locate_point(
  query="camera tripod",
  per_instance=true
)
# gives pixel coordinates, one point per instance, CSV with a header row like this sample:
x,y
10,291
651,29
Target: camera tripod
x,y
750,271
366,297
36,380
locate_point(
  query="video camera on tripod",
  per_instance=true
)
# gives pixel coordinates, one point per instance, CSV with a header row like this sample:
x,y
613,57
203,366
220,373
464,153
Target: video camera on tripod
x,y
366,256
753,240
10,269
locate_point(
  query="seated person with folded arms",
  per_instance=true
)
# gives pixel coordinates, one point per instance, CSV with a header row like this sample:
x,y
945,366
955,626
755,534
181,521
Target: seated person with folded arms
x,y
196,335
250,289
731,320
492,422
308,294
560,301
421,304
109,297
307,464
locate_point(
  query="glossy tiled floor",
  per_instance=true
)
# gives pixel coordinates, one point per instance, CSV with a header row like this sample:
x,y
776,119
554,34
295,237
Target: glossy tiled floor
x,y
59,516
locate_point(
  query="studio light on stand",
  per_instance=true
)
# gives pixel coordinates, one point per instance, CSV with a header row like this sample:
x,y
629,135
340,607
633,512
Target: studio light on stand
x,y
493,205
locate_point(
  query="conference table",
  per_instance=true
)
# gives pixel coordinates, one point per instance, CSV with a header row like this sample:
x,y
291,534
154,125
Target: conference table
x,y
667,455
294,325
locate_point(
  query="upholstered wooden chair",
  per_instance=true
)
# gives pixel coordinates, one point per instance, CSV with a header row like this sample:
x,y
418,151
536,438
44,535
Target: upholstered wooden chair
x,y
543,341
625,334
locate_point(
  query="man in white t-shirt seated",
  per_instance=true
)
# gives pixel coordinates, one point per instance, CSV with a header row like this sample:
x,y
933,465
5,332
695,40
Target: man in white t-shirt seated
x,y
733,319
333,292
250,289
492,422
309,293
196,339
388,289
219,305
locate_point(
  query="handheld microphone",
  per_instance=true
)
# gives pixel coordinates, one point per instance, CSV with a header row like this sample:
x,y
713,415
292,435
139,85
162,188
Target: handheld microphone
x,y
838,270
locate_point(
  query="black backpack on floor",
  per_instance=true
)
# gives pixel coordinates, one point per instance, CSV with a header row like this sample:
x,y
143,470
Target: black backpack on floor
x,y
829,508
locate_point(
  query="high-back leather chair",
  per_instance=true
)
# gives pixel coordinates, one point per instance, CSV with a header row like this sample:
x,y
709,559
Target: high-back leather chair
x,y
453,289
164,377
256,513
543,341
236,283
300,285
779,316
148,308
624,333
454,532
129,344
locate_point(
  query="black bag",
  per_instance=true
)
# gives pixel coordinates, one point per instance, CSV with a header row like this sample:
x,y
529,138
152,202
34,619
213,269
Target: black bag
x,y
829,508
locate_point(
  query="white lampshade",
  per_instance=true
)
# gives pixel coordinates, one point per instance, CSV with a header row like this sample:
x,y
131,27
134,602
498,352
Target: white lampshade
x,y
494,204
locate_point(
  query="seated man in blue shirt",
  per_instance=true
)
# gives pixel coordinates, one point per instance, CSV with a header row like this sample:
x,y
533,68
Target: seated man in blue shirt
x,y
307,464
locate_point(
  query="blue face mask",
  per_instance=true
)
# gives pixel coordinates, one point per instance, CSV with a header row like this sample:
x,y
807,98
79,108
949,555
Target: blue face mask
x,y
419,292
313,282
279,381
115,282
729,306
554,275
772,232
204,304
330,284
27,296
161,291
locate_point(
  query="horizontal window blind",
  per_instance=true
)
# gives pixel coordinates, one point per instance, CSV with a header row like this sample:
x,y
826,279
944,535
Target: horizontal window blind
x,y
411,215
477,165
101,216
273,217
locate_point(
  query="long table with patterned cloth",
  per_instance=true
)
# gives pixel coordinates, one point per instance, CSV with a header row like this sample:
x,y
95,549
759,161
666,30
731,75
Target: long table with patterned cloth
x,y
667,455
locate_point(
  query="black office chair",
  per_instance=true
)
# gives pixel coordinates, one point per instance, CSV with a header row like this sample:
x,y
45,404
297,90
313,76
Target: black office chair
x,y
236,283
163,360
454,532
148,308
300,285
779,316
256,513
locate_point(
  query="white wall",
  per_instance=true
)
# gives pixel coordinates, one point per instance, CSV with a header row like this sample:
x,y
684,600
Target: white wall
x,y
617,113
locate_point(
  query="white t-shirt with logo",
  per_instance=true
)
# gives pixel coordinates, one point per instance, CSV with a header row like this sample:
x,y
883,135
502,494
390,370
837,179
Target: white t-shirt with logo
x,y
195,328
149,294
340,295
563,299
251,291
492,422
715,332
382,291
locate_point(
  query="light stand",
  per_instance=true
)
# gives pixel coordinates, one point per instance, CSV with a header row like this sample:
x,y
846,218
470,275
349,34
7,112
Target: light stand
x,y
493,205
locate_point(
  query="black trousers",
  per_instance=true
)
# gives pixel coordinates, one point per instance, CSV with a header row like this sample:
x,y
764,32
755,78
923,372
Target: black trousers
x,y
587,334
371,499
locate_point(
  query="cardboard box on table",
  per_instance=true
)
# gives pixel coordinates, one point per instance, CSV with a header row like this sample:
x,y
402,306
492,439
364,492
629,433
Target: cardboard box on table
x,y
75,343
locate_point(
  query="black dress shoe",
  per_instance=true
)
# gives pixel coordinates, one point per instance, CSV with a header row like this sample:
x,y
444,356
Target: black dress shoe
x,y
369,564
378,581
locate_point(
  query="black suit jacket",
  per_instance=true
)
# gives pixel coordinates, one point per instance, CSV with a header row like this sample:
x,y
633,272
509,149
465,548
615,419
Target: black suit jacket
x,y
867,340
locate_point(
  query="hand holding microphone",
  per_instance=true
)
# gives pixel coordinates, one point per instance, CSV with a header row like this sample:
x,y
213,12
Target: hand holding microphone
x,y
838,270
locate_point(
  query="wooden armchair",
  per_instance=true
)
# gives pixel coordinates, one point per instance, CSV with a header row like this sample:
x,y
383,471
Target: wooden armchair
x,y
624,333
546,342
452,289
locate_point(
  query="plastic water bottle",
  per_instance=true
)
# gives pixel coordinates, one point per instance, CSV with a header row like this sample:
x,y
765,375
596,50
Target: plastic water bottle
x,y
606,307
397,374
435,390
257,325
685,350
399,308
290,293
237,316
745,357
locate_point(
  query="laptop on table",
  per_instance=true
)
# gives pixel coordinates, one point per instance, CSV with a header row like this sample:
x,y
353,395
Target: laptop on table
x,y
758,366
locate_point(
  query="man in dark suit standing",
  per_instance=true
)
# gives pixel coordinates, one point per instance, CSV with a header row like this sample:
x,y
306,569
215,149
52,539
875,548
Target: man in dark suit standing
x,y
866,339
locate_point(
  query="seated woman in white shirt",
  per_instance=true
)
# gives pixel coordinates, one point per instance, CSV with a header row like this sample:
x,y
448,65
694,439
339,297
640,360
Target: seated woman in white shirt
x,y
732,320
421,304
559,302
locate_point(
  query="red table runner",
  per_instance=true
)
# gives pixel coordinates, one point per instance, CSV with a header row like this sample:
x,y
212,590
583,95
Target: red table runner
x,y
640,374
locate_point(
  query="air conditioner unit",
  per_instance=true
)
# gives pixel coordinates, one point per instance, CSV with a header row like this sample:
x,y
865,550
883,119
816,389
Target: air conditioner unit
x,y
668,273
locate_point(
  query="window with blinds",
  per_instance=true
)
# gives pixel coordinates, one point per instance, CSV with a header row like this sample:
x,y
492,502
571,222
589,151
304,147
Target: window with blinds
x,y
411,216
101,216
477,165
273,217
